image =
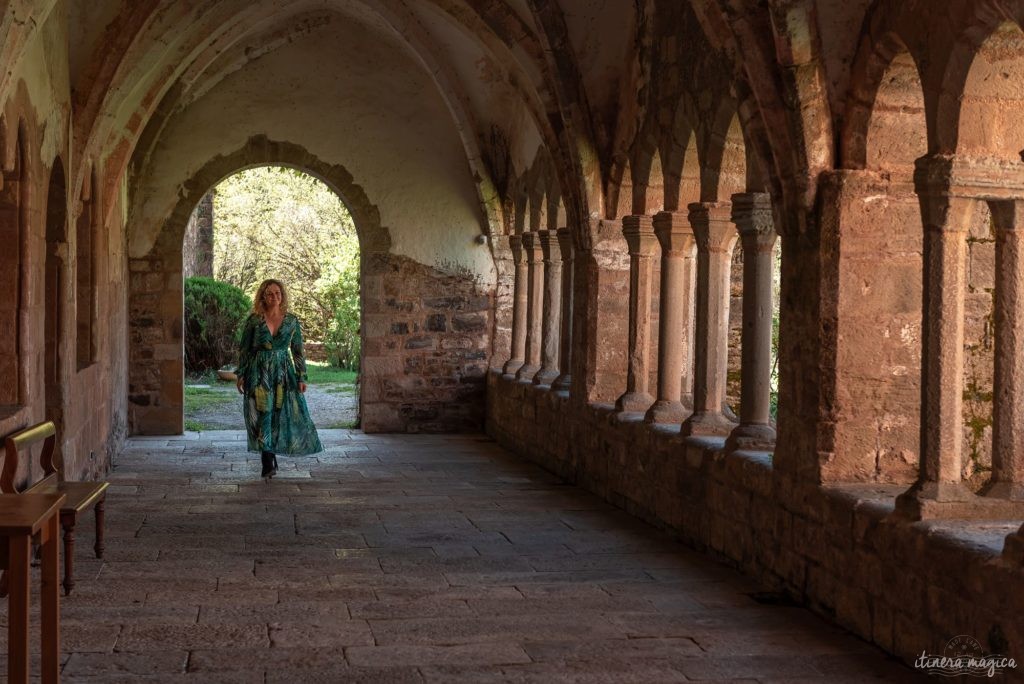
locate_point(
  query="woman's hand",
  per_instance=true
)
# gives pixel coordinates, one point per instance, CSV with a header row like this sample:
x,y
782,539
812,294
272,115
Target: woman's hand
x,y
240,385
302,387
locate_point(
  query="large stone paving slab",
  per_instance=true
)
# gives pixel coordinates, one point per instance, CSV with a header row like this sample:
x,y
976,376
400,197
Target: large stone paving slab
x,y
411,559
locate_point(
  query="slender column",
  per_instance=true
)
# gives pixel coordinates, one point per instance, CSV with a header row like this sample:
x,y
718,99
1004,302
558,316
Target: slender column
x,y
534,307
945,220
752,214
552,324
515,243
675,336
639,234
1008,397
716,236
565,249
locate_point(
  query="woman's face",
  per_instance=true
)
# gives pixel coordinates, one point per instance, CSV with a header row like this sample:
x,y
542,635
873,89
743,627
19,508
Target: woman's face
x,y
272,297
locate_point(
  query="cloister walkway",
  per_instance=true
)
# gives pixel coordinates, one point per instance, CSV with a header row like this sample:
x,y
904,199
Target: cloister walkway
x,y
412,558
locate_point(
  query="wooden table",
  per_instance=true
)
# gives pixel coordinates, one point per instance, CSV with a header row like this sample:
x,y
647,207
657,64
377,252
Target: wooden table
x,y
22,517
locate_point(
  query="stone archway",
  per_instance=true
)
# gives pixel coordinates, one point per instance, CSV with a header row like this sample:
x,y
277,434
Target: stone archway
x,y
156,375
425,339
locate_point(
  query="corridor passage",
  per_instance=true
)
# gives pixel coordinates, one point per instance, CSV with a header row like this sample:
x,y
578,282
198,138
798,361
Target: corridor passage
x,y
411,558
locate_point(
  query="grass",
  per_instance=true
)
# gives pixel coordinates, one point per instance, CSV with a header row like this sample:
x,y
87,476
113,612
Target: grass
x,y
199,398
322,373
344,425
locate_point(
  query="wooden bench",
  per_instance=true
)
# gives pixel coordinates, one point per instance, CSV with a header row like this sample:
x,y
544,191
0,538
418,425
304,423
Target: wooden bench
x,y
79,496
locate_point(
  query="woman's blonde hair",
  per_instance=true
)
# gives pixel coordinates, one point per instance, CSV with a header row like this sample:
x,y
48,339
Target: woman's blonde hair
x,y
257,301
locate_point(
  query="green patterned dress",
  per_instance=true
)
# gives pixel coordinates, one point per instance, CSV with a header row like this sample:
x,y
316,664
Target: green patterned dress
x,y
271,367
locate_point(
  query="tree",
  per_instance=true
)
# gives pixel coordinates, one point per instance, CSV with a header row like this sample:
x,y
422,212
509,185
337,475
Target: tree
x,y
276,222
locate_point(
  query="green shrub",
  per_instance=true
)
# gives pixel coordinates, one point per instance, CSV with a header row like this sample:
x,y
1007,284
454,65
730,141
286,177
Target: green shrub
x,y
214,313
340,292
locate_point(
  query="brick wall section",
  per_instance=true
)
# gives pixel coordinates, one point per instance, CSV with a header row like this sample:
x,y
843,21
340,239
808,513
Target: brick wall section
x,y
427,342
904,587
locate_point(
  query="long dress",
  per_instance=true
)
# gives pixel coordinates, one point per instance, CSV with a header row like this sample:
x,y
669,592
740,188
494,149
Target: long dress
x,y
271,367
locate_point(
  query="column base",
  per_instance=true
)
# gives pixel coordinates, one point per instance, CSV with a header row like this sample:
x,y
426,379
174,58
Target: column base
x,y
949,500
1013,547
1012,491
634,402
545,376
527,372
707,424
512,367
562,383
665,411
751,437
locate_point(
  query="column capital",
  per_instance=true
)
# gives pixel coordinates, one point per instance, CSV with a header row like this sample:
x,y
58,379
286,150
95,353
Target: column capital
x,y
565,243
515,243
639,234
752,213
674,232
713,226
945,213
548,240
531,245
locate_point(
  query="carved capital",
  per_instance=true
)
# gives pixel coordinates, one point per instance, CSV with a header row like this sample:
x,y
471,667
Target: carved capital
x,y
639,234
548,240
712,226
674,232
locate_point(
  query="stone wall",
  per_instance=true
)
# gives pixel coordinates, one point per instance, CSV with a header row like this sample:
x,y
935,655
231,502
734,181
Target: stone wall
x,y
906,587
426,347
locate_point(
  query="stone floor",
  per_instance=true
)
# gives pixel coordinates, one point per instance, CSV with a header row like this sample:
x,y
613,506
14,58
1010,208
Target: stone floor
x,y
414,558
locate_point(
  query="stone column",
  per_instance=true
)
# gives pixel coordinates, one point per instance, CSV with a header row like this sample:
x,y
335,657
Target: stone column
x,y
716,236
675,336
752,214
639,234
1008,396
552,324
565,249
519,302
939,484
534,307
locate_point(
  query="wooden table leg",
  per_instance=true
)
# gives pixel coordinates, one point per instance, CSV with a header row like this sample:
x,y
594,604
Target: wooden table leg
x,y
101,506
68,523
17,602
50,604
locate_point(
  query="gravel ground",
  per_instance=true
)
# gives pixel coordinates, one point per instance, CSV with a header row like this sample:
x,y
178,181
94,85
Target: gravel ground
x,y
329,407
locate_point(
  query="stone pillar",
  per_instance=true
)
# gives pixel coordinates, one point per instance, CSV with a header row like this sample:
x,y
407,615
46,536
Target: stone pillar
x,y
752,214
716,236
552,324
1008,396
939,484
519,304
565,249
639,234
675,335
534,307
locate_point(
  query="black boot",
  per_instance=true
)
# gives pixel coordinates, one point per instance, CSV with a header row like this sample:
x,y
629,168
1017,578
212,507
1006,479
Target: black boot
x,y
268,464
274,456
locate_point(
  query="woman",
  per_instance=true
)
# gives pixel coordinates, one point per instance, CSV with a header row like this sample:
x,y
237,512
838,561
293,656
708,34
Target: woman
x,y
273,381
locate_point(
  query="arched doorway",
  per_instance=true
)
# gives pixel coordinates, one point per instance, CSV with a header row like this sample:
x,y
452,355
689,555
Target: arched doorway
x,y
272,222
56,246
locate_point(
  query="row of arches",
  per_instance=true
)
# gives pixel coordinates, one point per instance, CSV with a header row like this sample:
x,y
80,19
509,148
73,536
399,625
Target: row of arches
x,y
45,234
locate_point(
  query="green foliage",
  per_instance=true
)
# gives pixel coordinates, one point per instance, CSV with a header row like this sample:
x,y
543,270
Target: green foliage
x,y
275,222
214,313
